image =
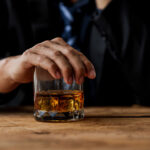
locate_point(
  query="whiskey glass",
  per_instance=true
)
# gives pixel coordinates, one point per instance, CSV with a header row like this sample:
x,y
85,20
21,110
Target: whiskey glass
x,y
55,100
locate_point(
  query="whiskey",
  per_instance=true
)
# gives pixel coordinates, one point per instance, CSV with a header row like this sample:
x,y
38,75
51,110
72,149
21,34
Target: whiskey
x,y
56,104
59,105
60,101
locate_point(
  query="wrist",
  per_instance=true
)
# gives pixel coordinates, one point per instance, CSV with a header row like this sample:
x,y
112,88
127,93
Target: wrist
x,y
6,80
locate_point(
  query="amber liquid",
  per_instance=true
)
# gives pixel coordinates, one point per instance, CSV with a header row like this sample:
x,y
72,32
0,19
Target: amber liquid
x,y
59,101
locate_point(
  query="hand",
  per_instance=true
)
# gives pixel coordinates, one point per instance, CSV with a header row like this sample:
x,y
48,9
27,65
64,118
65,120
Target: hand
x,y
55,56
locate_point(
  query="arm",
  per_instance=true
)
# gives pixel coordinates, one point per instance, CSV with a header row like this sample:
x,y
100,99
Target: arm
x,y
55,56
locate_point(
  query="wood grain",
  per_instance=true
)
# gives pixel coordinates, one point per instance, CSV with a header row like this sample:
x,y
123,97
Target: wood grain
x,y
106,128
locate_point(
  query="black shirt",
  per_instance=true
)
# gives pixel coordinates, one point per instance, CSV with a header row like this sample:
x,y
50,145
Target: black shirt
x,y
122,71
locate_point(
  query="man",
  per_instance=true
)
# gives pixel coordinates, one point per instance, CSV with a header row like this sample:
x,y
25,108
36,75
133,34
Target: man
x,y
28,22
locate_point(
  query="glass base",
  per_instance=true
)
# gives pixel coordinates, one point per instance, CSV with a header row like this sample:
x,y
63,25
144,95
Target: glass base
x,y
49,116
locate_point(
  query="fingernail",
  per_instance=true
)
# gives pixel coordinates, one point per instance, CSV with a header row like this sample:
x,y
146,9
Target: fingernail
x,y
92,74
70,80
81,80
58,75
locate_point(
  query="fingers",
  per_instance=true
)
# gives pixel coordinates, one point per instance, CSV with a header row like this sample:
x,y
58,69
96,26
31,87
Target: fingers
x,y
59,41
77,64
90,70
32,59
63,64
72,58
76,59
57,57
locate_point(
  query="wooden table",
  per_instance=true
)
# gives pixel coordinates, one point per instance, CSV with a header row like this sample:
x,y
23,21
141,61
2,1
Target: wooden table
x,y
104,128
